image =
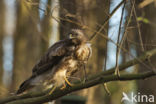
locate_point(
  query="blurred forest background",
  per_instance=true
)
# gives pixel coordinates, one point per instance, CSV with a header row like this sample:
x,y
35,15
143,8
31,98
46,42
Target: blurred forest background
x,y
29,27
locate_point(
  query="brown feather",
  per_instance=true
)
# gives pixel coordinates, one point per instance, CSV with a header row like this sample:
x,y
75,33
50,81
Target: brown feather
x,y
62,59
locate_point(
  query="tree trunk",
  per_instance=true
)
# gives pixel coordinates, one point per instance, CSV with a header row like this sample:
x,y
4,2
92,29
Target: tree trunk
x,y
26,43
148,31
2,19
67,12
46,25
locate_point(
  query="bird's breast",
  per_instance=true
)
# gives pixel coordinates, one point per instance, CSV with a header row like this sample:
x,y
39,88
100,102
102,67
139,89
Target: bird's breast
x,y
59,77
83,52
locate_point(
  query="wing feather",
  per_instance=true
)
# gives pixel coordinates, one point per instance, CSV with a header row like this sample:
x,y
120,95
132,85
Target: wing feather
x,y
53,56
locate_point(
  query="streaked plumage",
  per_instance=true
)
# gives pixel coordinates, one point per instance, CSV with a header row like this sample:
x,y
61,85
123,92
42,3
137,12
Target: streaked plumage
x,y
64,58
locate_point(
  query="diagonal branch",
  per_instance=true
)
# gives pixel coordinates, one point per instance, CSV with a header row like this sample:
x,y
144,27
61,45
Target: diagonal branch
x,y
103,77
107,19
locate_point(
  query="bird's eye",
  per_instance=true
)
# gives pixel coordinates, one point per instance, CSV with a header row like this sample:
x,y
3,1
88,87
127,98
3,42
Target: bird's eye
x,y
71,35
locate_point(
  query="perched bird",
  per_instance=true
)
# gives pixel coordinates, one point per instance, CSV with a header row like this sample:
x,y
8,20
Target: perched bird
x,y
61,61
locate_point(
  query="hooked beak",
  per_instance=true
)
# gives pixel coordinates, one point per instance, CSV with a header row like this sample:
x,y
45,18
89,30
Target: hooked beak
x,y
71,36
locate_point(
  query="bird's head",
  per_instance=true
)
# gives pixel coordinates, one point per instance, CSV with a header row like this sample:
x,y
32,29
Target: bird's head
x,y
78,34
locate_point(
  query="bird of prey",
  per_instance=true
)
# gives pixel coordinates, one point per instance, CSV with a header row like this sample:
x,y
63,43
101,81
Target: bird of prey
x,y
61,61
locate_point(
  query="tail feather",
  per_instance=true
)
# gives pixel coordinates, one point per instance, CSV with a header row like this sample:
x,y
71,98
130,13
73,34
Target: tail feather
x,y
24,86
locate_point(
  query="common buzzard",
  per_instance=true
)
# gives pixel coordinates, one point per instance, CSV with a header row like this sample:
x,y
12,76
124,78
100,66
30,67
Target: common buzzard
x,y
62,60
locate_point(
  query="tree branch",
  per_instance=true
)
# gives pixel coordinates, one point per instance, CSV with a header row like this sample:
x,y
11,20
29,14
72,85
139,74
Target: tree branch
x,y
103,77
107,19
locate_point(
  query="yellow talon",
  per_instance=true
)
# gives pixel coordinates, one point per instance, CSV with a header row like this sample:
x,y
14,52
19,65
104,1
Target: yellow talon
x,y
52,90
66,80
63,87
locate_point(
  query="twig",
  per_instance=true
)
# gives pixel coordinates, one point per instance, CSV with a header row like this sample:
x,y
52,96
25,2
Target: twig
x,y
118,42
106,88
138,26
107,19
145,3
124,34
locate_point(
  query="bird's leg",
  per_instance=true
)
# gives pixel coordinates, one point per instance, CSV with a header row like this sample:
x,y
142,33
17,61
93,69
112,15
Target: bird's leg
x,y
52,90
85,74
66,80
63,87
